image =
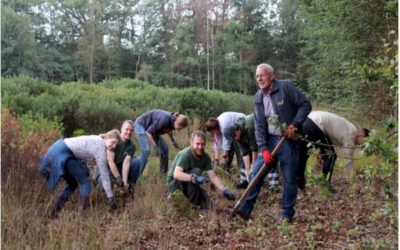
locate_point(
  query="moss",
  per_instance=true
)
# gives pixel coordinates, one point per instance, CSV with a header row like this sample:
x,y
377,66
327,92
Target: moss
x,y
181,206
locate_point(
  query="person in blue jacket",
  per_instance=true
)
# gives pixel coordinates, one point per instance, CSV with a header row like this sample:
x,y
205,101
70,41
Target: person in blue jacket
x,y
148,129
279,109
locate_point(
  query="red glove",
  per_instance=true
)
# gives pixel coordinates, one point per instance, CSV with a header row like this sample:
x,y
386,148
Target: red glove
x,y
268,159
291,131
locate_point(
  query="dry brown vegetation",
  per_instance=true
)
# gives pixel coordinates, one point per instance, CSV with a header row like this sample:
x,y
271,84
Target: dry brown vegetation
x,y
361,215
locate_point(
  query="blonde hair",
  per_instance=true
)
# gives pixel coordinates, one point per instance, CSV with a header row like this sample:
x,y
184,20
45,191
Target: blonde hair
x,y
181,120
112,134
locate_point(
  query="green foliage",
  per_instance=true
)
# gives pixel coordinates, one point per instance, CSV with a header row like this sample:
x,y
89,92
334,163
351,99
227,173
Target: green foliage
x,y
99,108
381,144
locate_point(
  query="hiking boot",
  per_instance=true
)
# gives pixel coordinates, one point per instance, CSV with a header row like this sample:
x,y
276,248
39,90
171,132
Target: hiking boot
x,y
57,206
245,216
83,203
301,185
242,185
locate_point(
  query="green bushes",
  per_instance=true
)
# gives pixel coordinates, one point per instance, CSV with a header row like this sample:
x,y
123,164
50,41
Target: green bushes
x,y
98,108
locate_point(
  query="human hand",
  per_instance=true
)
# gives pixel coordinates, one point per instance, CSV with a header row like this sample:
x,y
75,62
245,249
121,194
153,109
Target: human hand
x,y
268,158
112,204
120,183
158,150
200,179
291,131
224,159
228,195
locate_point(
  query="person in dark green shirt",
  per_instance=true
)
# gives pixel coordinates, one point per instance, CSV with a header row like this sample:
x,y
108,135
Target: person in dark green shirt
x,y
186,173
243,134
124,167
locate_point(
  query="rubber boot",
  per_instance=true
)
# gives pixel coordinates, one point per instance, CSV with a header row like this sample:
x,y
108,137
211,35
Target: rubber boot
x,y
58,204
83,203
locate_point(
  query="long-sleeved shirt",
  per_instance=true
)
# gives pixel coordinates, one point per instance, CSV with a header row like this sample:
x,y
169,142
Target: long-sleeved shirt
x,y
340,131
225,120
92,147
156,121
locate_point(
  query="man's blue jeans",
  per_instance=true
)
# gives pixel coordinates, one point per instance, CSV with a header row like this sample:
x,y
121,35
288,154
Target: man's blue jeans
x,y
288,157
145,149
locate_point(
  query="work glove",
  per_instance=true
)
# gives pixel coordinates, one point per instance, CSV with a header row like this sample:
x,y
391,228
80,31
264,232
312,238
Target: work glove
x,y
291,132
112,204
228,195
198,179
158,150
268,158
175,144
120,183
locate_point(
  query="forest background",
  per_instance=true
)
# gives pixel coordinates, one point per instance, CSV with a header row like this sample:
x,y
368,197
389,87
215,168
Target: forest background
x,y
77,67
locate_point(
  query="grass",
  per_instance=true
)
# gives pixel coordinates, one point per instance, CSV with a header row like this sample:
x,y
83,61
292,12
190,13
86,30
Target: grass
x,y
361,216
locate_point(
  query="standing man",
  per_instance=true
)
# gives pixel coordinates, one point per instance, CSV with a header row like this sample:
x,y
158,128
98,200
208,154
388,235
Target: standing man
x,y
243,134
328,130
217,127
277,103
186,173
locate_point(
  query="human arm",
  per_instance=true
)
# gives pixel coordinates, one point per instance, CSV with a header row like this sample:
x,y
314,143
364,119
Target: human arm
x,y
126,165
113,166
246,162
218,184
174,143
180,175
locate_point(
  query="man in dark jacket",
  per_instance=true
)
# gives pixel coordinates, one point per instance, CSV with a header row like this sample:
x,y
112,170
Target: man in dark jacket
x,y
279,109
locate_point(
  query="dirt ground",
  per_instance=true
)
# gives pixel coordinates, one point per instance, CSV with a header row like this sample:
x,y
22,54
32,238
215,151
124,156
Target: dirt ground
x,y
356,217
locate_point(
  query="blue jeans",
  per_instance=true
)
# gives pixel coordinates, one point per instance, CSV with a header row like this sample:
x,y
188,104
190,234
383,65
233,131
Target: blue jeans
x,y
144,145
288,157
76,172
145,149
134,171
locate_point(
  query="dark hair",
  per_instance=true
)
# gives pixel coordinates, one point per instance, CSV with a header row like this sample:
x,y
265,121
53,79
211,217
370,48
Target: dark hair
x,y
198,133
211,124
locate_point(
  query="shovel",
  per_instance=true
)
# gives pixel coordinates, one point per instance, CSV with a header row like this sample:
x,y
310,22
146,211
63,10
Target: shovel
x,y
255,180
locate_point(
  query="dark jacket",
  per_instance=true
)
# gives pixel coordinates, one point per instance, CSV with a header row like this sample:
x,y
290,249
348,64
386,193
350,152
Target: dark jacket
x,y
247,142
156,121
289,103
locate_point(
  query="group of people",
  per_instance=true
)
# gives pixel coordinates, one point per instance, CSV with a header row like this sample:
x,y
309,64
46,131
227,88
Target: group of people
x,y
280,110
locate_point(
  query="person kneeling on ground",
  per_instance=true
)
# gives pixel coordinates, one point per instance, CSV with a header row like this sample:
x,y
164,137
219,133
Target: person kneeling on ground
x,y
186,170
124,167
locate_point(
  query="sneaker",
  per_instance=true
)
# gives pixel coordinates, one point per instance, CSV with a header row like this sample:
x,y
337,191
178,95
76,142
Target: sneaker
x,y
245,216
242,185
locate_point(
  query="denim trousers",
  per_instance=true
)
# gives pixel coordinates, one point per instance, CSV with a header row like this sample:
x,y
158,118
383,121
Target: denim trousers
x,y
145,149
76,173
288,157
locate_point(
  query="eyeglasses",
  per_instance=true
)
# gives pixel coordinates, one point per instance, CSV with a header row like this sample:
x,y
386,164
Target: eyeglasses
x,y
262,76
